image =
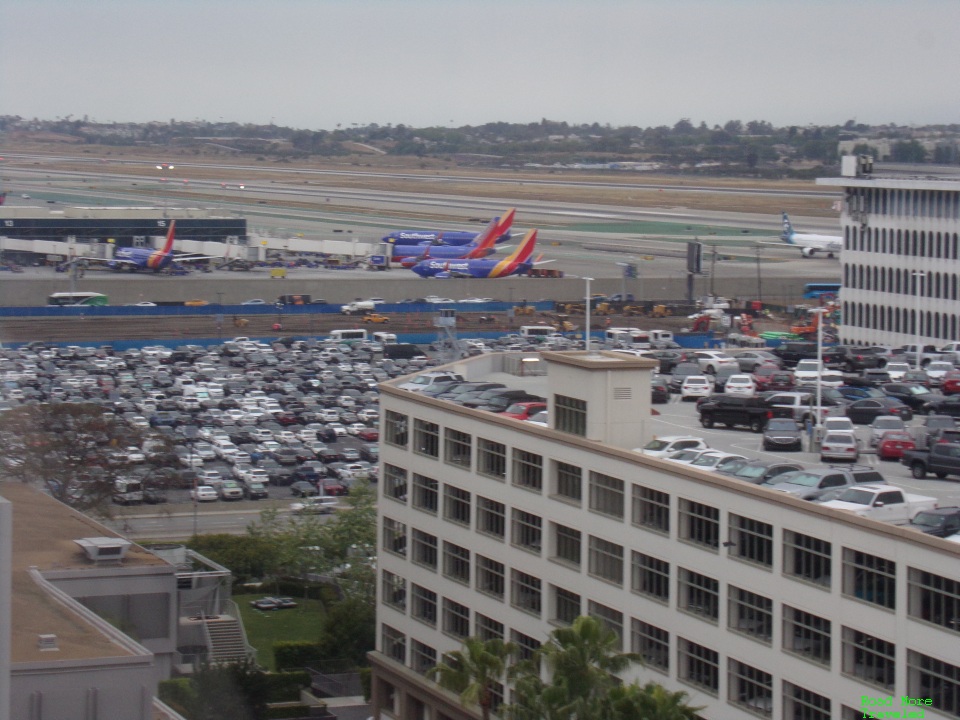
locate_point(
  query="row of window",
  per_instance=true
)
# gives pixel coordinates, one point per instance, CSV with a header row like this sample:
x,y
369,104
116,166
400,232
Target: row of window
x,y
902,243
892,202
900,281
944,326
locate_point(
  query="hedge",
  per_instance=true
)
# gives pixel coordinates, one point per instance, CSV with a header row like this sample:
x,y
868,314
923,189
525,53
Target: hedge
x,y
295,655
286,686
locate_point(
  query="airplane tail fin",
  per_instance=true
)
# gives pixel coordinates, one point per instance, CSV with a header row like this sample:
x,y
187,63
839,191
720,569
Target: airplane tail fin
x,y
488,238
168,245
525,248
787,233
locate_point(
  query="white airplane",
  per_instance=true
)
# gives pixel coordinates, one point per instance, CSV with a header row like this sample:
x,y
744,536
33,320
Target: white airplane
x,y
810,244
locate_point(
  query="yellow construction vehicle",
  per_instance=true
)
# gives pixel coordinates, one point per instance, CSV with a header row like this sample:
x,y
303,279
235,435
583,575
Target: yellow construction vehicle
x,y
573,308
603,309
524,310
660,311
633,310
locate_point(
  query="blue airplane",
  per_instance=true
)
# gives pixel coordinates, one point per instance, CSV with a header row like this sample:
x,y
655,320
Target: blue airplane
x,y
437,237
134,258
517,263
409,255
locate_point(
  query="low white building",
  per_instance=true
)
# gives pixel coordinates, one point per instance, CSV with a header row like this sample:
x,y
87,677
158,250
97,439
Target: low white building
x,y
757,604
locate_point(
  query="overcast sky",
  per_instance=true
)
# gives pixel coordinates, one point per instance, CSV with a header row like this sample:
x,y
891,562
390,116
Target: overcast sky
x,y
317,64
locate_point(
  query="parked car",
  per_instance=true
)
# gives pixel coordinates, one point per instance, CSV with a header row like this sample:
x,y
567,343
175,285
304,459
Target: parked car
x,y
882,425
695,386
741,385
839,446
204,493
893,443
783,434
759,472
864,412
669,444
303,488
941,522
814,483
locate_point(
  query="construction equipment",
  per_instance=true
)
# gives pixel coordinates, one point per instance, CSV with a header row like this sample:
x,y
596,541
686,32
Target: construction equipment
x,y
701,323
633,310
660,311
807,325
603,308
573,308
524,310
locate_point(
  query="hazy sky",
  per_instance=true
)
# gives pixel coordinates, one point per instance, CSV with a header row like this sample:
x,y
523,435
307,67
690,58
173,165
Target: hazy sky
x,y
319,63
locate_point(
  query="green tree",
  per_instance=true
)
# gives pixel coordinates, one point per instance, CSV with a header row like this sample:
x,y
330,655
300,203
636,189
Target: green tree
x,y
349,631
650,702
238,691
473,672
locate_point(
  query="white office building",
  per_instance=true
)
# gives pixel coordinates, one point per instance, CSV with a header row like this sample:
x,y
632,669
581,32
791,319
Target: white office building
x,y
756,604
901,256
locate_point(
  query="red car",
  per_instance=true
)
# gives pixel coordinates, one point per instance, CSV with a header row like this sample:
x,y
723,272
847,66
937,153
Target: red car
x,y
950,385
893,443
369,435
523,410
762,375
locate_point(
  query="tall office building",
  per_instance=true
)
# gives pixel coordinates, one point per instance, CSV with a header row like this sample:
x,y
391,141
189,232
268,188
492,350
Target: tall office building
x,y
901,255
756,604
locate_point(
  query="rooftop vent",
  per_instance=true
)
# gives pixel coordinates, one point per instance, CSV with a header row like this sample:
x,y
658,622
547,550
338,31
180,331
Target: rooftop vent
x,y
104,550
47,642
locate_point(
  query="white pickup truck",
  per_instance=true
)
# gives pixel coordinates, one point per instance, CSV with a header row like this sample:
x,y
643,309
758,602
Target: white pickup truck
x,y
882,502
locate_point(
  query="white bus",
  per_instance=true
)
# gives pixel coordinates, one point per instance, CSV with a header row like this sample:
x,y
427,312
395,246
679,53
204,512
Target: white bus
x,y
348,337
64,299
385,338
537,331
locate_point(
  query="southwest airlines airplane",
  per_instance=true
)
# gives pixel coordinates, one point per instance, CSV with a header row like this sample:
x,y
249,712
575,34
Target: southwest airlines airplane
x,y
810,244
516,263
409,255
134,258
438,237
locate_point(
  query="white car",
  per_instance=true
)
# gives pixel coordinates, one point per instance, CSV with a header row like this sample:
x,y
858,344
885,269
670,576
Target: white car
x,y
354,428
314,505
807,371
688,457
204,493
883,424
840,424
669,444
712,360
937,370
338,429
896,370
839,446
696,386
742,385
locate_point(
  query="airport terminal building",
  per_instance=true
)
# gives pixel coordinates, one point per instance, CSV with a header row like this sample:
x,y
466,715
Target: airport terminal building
x,y
901,256
754,603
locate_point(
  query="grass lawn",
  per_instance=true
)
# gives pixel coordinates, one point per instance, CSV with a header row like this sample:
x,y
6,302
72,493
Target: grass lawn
x,y
267,627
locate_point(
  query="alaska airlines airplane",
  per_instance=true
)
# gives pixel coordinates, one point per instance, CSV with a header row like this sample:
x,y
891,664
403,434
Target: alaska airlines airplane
x,y
134,258
438,237
516,263
810,244
409,255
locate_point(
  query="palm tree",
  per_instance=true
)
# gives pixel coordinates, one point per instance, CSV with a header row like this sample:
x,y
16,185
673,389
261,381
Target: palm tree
x,y
650,702
474,671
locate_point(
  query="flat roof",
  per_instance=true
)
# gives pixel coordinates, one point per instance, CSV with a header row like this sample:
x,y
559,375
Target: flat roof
x,y
44,531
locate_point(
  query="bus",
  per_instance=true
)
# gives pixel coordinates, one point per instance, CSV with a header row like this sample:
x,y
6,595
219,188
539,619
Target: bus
x,y
348,337
825,291
64,299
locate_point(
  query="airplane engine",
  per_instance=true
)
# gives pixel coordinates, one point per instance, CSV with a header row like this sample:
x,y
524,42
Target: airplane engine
x,y
809,252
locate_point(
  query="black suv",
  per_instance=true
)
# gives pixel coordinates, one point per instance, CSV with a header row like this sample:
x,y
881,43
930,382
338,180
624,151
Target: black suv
x,y
749,412
793,352
854,359
941,522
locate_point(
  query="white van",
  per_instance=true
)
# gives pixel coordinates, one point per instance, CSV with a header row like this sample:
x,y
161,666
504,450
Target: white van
x,y
353,335
537,331
385,338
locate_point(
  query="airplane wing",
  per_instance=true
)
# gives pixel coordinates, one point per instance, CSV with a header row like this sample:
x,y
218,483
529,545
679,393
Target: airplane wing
x,y
195,258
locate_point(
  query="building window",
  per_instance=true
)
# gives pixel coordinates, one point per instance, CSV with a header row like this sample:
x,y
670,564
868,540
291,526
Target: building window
x,y
566,606
606,560
570,415
807,635
426,438
424,549
750,614
394,591
606,495
928,677
456,563
527,470
394,644
869,658
807,558
752,540
651,509
491,459
425,493
394,536
525,593
526,646
651,643
395,429
457,448
491,578
456,618
870,578
802,704
422,657
700,524
698,666
751,688
487,628
566,544
456,505
423,604
491,517
395,483
699,594
611,619
568,481
935,599
650,576
527,531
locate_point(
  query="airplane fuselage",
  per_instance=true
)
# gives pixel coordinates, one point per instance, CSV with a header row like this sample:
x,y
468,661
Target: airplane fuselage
x,y
445,252
437,238
141,259
480,269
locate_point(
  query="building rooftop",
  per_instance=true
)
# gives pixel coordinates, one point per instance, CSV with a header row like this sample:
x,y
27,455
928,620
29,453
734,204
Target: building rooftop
x,y
44,535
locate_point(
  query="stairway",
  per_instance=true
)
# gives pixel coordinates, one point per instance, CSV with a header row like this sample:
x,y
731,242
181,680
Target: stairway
x,y
227,642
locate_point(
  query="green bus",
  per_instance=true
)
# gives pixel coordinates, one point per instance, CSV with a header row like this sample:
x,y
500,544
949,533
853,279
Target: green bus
x,y
66,299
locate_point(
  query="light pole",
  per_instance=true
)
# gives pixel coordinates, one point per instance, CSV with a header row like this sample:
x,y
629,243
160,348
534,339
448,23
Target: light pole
x,y
920,276
820,312
587,309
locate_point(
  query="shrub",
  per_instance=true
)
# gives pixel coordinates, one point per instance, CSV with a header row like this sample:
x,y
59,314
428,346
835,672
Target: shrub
x,y
286,686
296,655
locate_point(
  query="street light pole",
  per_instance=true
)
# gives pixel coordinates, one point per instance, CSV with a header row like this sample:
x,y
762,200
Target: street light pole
x,y
587,314
820,312
918,291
